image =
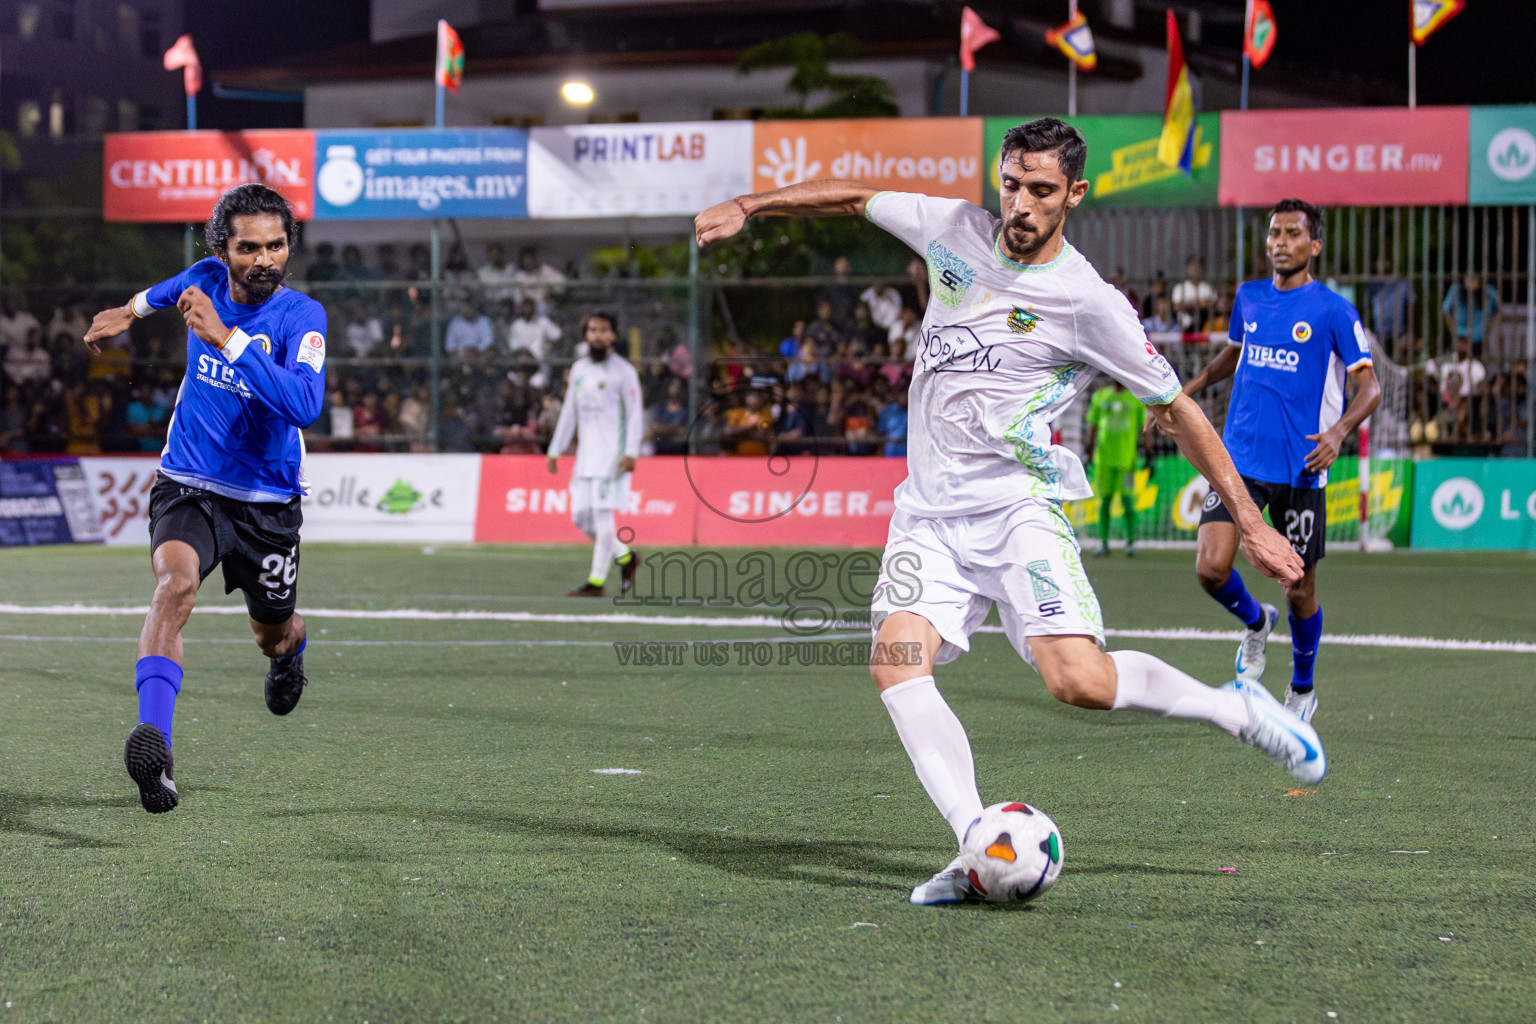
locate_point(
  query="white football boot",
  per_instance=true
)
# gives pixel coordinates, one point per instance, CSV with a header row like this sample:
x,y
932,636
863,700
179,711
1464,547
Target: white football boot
x,y
1291,743
948,886
1302,705
1250,653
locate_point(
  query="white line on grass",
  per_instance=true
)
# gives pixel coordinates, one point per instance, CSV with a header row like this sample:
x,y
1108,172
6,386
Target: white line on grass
x,y
757,622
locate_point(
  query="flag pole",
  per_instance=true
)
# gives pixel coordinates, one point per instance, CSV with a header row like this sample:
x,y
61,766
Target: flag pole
x,y
1071,68
440,91
434,363
186,242
1413,75
1242,261
965,91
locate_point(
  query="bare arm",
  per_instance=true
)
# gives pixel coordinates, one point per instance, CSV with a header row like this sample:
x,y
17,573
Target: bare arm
x,y
1367,396
109,323
1183,421
824,197
1215,371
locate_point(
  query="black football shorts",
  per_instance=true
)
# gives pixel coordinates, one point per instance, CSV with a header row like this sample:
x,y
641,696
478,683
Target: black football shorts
x,y
1300,513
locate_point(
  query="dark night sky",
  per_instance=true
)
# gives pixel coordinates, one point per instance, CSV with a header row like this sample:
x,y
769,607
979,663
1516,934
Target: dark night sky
x,y
1482,56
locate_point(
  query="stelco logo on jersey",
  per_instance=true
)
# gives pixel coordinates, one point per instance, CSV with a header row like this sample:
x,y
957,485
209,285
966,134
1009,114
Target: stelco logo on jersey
x,y
1272,358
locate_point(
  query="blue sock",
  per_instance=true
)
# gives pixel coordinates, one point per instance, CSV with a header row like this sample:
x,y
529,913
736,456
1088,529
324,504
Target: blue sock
x,y
1234,597
1305,634
284,660
158,681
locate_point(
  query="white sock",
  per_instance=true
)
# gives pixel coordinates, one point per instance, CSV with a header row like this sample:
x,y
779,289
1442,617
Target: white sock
x,y
605,541
1143,683
936,743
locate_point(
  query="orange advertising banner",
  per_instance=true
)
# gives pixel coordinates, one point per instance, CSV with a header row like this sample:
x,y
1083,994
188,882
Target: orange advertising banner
x,y
178,176
939,156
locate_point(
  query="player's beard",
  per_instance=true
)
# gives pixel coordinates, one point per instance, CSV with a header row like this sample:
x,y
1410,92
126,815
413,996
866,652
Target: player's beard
x,y
1036,234
597,353
261,283
1289,273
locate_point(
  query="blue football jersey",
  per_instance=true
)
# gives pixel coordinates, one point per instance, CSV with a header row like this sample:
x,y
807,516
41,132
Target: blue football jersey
x,y
236,428
1298,345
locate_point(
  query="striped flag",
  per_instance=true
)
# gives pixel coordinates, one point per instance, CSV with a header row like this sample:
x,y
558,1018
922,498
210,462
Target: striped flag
x,y
1075,39
1259,39
1176,146
450,57
1426,16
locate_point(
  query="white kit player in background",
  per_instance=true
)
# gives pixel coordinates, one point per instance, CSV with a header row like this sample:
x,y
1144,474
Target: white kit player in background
x,y
1018,325
602,410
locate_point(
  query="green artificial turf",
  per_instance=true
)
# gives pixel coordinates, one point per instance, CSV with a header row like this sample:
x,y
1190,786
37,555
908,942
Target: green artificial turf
x,y
425,837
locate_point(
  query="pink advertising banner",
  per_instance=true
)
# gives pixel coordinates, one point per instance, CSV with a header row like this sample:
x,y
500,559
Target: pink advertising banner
x,y
1381,156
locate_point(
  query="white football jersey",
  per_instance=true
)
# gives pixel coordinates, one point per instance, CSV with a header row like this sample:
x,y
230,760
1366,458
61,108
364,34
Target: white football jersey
x,y
1005,349
602,407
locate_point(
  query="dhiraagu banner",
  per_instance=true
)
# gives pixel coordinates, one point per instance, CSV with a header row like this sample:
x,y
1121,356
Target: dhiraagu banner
x,y
1169,496
1123,168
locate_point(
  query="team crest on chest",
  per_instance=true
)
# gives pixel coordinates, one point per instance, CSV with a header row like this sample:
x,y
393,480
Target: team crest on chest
x,y
1302,331
1022,321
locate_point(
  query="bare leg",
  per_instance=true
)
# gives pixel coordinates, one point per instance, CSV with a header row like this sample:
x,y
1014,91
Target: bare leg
x,y
1216,550
278,639
176,583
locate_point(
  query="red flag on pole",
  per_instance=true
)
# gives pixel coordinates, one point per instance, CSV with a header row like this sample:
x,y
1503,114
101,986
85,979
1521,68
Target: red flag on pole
x,y
1259,39
974,34
182,55
450,57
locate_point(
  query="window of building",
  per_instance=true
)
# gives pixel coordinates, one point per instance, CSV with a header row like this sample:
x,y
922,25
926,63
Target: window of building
x,y
29,114
128,27
27,18
149,33
58,117
64,20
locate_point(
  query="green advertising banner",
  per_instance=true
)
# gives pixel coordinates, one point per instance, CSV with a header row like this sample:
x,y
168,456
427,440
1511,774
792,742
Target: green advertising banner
x,y
1501,161
1123,168
1475,503
1169,498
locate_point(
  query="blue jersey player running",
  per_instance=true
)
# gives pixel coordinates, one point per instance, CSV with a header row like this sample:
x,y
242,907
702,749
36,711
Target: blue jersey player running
x,y
1296,346
231,474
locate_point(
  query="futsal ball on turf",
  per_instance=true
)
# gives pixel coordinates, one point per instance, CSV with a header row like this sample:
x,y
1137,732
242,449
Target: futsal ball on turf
x,y
1012,853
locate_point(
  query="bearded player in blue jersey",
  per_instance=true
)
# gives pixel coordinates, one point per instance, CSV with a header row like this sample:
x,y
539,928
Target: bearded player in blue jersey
x,y
1295,347
231,474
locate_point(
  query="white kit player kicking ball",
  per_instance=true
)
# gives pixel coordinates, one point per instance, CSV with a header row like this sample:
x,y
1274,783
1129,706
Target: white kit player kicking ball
x,y
1018,325
602,410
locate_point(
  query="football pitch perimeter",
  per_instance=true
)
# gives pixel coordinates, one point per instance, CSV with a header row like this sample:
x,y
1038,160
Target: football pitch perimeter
x,y
492,818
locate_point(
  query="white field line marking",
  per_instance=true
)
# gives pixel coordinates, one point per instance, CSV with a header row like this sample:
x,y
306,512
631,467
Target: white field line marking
x,y
757,622
328,642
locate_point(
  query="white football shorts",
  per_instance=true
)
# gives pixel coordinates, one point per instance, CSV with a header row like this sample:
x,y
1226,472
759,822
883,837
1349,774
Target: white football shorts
x,y
1023,558
599,494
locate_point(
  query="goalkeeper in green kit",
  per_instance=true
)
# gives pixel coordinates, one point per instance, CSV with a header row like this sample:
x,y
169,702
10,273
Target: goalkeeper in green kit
x,y
1115,421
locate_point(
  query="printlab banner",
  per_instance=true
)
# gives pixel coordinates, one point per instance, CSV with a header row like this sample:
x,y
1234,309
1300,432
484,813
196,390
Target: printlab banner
x,y
1475,503
1123,168
178,176
45,501
639,170
939,156
1381,156
1502,156
421,174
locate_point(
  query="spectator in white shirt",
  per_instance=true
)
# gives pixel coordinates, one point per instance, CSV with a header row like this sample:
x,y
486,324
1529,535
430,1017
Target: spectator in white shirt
x,y
27,360
1193,297
15,323
1160,322
535,280
884,304
530,332
908,330
469,333
364,332
497,275
1469,371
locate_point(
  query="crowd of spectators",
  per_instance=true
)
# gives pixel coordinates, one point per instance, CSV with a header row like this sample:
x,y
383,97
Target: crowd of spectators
x,y
835,384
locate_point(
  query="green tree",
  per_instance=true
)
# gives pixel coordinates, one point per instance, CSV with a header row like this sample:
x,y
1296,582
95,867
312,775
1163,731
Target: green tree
x,y
811,55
